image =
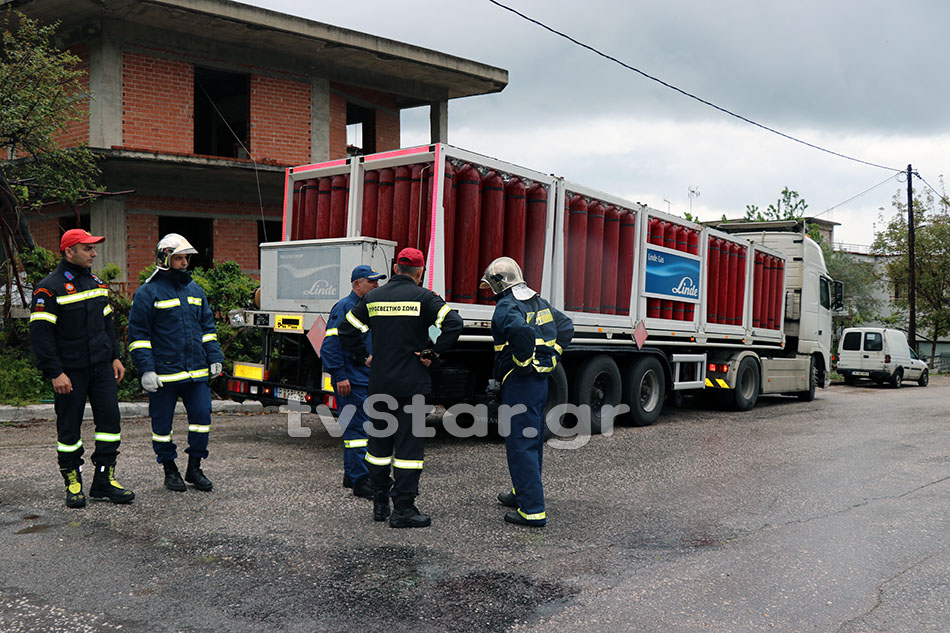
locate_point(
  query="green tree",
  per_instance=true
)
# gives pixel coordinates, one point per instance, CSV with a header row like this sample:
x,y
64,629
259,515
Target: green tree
x,y
789,206
932,259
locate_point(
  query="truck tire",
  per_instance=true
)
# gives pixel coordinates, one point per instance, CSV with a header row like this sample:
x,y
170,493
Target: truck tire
x,y
808,396
898,378
644,390
924,379
746,392
850,380
597,384
557,395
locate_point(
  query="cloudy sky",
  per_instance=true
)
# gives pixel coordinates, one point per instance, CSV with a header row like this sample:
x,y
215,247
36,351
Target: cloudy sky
x,y
863,78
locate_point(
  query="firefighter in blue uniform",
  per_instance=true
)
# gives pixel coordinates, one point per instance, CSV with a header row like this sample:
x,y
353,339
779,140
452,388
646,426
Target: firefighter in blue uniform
x,y
350,381
399,314
75,346
529,337
174,344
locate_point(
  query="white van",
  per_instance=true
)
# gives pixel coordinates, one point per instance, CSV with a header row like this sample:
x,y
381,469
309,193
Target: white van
x,y
881,355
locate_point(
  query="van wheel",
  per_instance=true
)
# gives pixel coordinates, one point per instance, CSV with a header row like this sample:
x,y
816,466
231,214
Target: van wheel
x,y
897,378
746,392
808,396
597,385
644,390
924,379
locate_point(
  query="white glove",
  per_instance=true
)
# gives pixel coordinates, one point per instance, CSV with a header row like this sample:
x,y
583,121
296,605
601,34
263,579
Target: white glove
x,y
216,369
151,382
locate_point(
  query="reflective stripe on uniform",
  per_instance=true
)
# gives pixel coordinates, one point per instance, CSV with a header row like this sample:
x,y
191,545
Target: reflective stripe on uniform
x,y
394,308
161,438
195,301
107,437
544,316
82,296
106,311
168,303
498,348
523,363
43,316
541,369
68,448
408,464
331,332
538,516
140,345
378,461
355,443
444,310
359,325
209,337
184,375
199,428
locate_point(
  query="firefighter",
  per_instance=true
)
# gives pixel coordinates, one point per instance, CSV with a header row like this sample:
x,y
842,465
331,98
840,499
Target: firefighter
x,y
399,315
75,346
350,380
174,345
529,337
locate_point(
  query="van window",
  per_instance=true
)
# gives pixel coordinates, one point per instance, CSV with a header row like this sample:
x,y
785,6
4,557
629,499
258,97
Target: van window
x,y
852,342
873,342
825,290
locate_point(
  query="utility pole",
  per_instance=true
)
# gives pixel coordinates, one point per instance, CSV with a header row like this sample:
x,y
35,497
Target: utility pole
x,y
912,291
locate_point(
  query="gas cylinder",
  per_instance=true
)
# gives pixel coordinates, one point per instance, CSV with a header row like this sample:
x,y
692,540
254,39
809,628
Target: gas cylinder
x,y
296,206
576,253
656,236
416,212
669,241
310,192
449,193
777,288
467,232
384,212
594,257
610,263
732,283
370,202
692,247
324,190
515,220
492,239
401,193
767,320
757,290
712,280
536,225
626,258
740,285
339,196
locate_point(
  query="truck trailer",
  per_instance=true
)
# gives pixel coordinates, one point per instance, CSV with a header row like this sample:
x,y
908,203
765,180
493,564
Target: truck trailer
x,y
662,307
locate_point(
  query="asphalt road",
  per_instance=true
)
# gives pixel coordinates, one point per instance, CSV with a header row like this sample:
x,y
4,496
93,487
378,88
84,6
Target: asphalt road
x,y
831,516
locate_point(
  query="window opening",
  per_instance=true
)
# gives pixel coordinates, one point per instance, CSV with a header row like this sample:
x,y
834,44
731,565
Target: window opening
x,y
360,130
222,113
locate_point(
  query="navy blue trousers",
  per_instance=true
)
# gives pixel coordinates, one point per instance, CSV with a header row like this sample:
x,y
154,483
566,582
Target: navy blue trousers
x,y
402,452
525,453
98,384
354,435
196,396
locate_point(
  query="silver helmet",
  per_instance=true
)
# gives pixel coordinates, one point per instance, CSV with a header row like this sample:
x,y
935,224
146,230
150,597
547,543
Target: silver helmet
x,y
502,274
171,244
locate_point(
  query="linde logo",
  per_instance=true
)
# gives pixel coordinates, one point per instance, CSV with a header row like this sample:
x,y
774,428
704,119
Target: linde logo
x,y
321,288
686,288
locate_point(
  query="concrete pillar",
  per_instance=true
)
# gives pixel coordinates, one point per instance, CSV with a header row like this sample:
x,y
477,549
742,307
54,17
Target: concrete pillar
x,y
439,122
108,218
319,120
105,84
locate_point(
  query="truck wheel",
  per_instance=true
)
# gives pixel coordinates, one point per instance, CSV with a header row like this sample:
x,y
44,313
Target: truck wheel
x,y
850,380
644,390
808,396
596,385
897,378
557,395
924,379
746,391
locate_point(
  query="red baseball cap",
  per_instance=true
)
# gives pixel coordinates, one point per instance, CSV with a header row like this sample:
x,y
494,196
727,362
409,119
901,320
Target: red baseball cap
x,y
78,236
411,257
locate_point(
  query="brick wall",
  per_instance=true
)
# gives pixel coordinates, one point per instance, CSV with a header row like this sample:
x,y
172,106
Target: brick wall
x,y
157,104
280,120
141,236
45,233
77,132
337,125
387,117
236,240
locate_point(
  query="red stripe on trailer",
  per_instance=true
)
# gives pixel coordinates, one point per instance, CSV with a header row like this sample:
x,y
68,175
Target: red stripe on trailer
x,y
415,208
332,163
323,207
370,203
339,195
384,212
576,252
625,256
740,285
310,191
594,257
401,152
449,196
515,221
732,283
492,238
610,263
712,280
401,189
757,290
692,247
536,225
467,226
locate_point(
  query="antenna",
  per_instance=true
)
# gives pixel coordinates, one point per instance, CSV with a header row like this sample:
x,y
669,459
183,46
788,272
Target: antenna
x,y
692,192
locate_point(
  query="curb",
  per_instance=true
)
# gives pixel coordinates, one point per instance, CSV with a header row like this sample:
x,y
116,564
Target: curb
x,y
126,410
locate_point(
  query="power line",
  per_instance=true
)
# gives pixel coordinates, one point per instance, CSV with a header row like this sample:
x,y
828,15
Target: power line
x,y
855,197
687,94
941,196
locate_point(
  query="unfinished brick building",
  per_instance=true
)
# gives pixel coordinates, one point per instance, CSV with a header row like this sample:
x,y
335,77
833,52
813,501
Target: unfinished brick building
x,y
198,106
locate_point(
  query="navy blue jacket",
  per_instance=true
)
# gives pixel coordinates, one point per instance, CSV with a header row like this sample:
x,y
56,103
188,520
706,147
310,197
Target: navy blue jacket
x,y
171,329
336,361
529,336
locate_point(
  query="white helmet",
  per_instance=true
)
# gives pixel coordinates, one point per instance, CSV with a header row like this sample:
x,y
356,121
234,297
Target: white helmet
x,y
501,274
171,244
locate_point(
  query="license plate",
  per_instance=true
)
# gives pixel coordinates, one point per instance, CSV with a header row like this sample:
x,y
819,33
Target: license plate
x,y
291,394
860,373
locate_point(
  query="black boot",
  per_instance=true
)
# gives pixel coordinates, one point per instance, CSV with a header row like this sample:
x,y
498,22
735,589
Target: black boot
x,y
74,496
406,515
173,480
104,486
195,477
363,488
507,499
347,482
380,505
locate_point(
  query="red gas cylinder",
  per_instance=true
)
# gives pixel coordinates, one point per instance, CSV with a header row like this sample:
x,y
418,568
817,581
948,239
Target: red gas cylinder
x,y
740,285
656,236
467,231
536,220
339,196
779,285
692,247
712,280
757,290
384,212
625,256
732,283
576,253
723,289
449,192
370,203
323,207
492,239
682,242
610,263
310,192
416,212
292,228
594,258
401,192
515,220
669,241
767,319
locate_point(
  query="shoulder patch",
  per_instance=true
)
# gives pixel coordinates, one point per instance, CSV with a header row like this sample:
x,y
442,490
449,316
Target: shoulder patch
x,y
70,288
69,275
43,291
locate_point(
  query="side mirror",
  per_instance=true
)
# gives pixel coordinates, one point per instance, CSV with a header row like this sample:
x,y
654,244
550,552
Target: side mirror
x,y
838,304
